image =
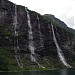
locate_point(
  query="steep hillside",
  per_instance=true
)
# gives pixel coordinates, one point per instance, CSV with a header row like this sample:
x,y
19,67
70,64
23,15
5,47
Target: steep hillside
x,y
29,41
59,22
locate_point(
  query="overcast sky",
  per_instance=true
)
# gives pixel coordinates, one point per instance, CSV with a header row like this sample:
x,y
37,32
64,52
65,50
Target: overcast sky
x,y
62,9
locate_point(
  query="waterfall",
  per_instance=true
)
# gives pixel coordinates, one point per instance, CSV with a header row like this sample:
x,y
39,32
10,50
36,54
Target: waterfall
x,y
60,54
16,47
31,43
40,34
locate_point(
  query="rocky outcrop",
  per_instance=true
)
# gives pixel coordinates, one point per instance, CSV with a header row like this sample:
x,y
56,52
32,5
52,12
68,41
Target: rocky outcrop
x,y
44,46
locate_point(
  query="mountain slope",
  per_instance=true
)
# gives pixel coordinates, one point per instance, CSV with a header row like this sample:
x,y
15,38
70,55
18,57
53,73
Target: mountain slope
x,y
27,40
59,22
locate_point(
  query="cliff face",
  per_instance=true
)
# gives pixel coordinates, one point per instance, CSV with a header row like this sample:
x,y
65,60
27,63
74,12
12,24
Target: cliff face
x,y
56,20
27,41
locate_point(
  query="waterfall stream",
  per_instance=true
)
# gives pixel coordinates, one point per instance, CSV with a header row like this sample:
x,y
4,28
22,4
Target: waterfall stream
x,y
31,43
41,38
40,34
16,47
60,53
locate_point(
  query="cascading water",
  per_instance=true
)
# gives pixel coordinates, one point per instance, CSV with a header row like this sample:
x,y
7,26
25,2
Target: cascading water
x,y
16,47
60,54
31,45
41,37
40,34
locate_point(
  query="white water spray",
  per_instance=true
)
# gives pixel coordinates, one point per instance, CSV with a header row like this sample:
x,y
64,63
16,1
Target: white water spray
x,y
60,54
16,48
31,45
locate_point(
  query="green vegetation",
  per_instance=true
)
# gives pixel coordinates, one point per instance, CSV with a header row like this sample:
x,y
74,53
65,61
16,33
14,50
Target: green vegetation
x,y
4,59
70,30
7,57
8,63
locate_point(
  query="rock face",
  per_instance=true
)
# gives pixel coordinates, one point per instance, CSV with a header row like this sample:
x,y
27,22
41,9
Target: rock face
x,y
56,20
16,24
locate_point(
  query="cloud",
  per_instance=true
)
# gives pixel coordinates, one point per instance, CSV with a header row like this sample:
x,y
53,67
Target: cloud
x,y
39,10
70,21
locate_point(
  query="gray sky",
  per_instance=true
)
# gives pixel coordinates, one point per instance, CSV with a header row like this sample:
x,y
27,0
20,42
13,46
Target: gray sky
x,y
62,9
